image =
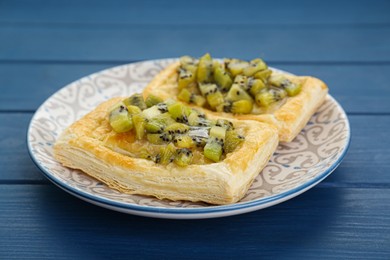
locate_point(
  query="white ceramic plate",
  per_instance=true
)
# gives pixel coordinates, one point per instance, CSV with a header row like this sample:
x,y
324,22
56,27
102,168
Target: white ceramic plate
x,y
294,168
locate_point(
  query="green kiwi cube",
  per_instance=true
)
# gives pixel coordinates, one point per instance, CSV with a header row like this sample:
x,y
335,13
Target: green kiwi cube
x,y
218,132
214,99
255,86
198,100
213,150
151,112
265,98
205,69
225,124
183,141
221,77
183,157
184,95
242,107
139,124
177,128
254,66
167,154
236,66
133,110
179,112
237,93
232,140
120,119
135,100
152,100
263,75
186,77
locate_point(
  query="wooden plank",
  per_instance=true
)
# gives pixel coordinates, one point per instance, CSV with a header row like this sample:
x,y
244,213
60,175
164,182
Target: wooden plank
x,y
366,163
359,88
354,44
196,12
338,223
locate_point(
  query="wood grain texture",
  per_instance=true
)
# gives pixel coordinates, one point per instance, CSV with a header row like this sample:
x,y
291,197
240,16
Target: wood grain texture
x,y
25,86
196,12
43,221
357,168
368,44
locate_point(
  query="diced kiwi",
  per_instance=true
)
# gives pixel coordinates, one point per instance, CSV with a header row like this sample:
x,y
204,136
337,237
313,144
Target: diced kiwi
x,y
135,100
263,75
186,77
152,100
184,95
167,153
221,77
179,112
215,99
237,93
267,97
207,88
154,125
205,69
183,141
242,107
133,110
241,80
198,100
218,132
213,150
232,140
225,124
291,88
236,66
199,135
151,112
196,119
188,61
254,66
226,107
177,128
183,157
119,118
255,86
139,124
155,138
163,107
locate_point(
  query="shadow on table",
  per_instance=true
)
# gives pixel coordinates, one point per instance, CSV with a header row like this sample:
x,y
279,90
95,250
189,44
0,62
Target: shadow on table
x,y
88,231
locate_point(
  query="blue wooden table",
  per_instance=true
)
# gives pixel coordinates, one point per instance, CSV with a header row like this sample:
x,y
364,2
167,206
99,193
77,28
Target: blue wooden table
x,y
45,45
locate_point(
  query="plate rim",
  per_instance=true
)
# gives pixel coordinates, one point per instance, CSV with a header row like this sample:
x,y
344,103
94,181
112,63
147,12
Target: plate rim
x,y
145,210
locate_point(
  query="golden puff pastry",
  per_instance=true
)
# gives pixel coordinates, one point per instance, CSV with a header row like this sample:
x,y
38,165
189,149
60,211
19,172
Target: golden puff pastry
x,y
91,146
290,118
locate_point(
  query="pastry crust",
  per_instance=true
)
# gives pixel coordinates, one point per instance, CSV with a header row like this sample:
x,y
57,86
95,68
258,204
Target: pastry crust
x,y
289,118
90,145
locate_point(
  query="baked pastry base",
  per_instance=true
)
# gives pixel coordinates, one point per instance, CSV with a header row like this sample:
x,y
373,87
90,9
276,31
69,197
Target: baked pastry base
x,y
84,145
289,118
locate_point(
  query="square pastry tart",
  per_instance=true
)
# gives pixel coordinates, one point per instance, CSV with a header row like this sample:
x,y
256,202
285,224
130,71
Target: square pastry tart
x,y
167,149
242,90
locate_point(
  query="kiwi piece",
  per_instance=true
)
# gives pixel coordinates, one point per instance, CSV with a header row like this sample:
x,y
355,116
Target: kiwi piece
x,y
232,140
183,157
199,135
236,66
139,124
237,93
151,112
179,112
218,132
242,107
266,98
187,61
167,154
225,124
183,141
198,100
254,66
241,80
135,100
120,119
163,107
186,77
255,86
207,88
213,150
154,126
177,128
226,107
152,100
280,81
205,69
221,77
155,138
184,95
263,75
215,99
133,110
196,119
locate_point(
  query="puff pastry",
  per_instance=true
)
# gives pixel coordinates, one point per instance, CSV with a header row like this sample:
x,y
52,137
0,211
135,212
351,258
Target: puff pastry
x,y
85,146
289,118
